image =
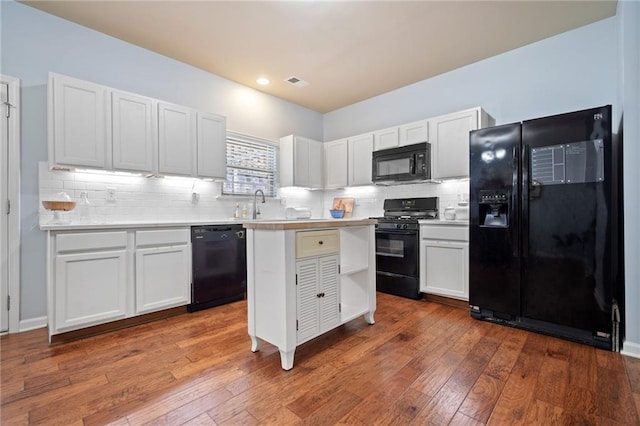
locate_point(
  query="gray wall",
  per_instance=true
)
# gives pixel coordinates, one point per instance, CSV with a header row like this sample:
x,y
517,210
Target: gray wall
x,y
567,72
34,43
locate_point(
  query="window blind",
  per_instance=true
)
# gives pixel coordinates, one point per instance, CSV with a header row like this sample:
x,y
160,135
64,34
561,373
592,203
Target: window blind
x,y
251,165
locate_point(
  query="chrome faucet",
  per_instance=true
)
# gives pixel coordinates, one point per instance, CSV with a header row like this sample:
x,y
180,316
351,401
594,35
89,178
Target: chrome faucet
x,y
256,210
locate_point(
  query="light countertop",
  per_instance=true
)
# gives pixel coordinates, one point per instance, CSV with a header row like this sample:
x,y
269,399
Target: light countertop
x,y
248,223
307,223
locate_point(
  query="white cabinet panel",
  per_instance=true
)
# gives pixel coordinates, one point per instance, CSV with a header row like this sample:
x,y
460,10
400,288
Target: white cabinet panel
x,y
176,140
162,278
318,308
133,132
415,132
450,144
307,279
386,138
336,164
79,113
316,164
90,288
360,156
445,268
212,146
301,162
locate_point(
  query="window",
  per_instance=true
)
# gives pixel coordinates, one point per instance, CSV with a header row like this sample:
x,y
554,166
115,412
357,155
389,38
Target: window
x,y
251,164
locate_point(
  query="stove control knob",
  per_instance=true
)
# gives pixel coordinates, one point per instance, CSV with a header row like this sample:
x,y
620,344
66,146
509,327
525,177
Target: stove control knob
x,y
398,226
405,226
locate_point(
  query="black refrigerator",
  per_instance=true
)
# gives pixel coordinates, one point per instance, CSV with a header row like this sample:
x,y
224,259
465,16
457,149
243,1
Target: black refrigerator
x,y
543,237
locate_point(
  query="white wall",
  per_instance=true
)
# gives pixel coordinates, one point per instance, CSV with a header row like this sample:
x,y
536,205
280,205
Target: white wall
x,y
571,71
628,15
34,43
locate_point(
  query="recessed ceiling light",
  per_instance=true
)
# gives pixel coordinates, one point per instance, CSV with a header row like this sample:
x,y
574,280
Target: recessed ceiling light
x,y
262,81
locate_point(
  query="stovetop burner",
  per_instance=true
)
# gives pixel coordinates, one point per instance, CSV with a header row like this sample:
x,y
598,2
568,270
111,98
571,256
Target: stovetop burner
x,y
404,213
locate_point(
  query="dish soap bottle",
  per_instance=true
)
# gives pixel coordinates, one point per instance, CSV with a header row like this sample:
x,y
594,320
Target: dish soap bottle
x,y
236,213
84,208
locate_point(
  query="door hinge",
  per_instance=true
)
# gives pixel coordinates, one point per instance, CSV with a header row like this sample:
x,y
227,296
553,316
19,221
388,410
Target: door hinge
x,y
9,106
296,325
338,269
296,279
8,303
339,307
8,206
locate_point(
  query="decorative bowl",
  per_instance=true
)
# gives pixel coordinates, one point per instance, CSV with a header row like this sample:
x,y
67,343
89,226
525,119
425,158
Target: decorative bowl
x,y
59,205
337,214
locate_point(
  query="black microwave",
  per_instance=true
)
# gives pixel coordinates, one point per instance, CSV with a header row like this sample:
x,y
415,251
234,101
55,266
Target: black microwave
x,y
402,164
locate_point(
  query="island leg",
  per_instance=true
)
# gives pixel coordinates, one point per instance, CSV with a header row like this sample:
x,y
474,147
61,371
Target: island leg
x,y
286,358
256,343
368,317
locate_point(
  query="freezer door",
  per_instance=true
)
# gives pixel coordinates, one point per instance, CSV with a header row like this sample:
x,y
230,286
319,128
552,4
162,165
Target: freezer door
x,y
567,220
494,244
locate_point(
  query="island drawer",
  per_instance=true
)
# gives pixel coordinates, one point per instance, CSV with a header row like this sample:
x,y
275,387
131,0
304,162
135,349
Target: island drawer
x,y
315,243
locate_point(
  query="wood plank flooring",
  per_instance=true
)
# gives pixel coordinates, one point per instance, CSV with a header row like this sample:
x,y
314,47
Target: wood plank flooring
x,y
421,363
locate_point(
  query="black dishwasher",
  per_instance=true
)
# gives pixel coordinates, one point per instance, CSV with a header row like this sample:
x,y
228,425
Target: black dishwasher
x,y
219,261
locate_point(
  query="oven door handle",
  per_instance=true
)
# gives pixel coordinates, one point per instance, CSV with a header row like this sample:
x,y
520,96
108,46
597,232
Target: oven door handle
x,y
389,254
396,232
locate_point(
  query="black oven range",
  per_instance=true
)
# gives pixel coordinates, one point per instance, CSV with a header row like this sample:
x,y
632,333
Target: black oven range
x,y
397,244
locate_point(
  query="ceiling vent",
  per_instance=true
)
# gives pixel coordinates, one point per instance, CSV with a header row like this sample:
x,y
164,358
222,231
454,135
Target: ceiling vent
x,y
297,82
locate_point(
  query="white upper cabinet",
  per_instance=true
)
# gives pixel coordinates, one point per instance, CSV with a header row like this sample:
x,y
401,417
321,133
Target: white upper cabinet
x,y
386,138
212,146
78,116
176,139
360,157
415,132
336,164
133,132
450,141
301,162
99,127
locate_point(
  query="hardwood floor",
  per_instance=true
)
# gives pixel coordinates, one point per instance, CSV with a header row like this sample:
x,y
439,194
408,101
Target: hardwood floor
x,y
421,363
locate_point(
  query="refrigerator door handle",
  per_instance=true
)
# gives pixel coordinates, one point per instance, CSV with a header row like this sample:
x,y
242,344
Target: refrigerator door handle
x,y
514,204
524,202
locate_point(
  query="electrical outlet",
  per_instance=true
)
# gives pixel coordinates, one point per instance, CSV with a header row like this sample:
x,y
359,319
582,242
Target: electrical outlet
x,y
195,197
111,193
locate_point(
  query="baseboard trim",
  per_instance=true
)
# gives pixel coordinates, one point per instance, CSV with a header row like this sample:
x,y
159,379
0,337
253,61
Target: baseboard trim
x,y
456,303
631,349
32,324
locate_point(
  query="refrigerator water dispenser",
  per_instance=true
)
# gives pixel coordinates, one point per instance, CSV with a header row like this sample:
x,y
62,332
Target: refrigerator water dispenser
x,y
494,208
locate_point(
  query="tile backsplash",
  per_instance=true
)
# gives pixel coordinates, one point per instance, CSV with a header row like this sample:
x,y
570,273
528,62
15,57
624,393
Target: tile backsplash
x,y
139,198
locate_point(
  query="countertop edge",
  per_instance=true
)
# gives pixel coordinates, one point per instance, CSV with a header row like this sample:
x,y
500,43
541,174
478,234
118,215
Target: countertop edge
x,y
441,222
189,223
308,224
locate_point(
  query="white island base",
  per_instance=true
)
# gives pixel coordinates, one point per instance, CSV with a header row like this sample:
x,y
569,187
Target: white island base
x,y
305,278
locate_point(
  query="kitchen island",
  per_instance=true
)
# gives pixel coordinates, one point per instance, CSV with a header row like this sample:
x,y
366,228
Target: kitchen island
x,y
307,277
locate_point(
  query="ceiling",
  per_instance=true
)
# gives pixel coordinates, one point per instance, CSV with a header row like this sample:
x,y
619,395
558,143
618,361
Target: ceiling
x,y
347,51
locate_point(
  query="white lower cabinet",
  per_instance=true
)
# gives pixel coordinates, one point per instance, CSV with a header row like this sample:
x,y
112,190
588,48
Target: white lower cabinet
x,y
162,269
91,288
318,307
98,277
89,283
444,261
162,280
